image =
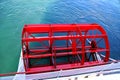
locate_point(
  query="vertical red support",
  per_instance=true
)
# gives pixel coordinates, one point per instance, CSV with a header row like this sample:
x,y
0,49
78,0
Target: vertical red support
x,y
27,50
83,51
74,46
50,45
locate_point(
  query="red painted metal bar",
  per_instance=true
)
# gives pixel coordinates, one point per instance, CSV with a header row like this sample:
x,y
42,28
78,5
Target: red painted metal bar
x,y
77,45
62,54
62,37
41,28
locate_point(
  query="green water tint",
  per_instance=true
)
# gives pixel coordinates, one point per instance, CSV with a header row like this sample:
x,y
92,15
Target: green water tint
x,y
13,15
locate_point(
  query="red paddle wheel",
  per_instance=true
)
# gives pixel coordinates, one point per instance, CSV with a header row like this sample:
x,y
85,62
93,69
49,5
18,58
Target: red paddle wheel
x,y
50,47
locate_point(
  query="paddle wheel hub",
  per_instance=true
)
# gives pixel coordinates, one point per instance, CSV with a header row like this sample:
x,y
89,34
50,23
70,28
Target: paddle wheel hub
x,y
51,47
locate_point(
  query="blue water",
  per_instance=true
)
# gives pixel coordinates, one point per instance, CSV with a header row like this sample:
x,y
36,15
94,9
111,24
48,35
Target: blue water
x,y
15,13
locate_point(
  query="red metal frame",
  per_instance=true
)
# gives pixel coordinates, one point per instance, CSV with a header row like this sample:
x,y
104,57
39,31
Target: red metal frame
x,y
79,49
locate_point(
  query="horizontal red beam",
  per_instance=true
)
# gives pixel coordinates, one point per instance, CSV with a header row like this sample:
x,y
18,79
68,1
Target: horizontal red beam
x,y
55,49
50,55
61,37
59,48
64,66
62,53
38,28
